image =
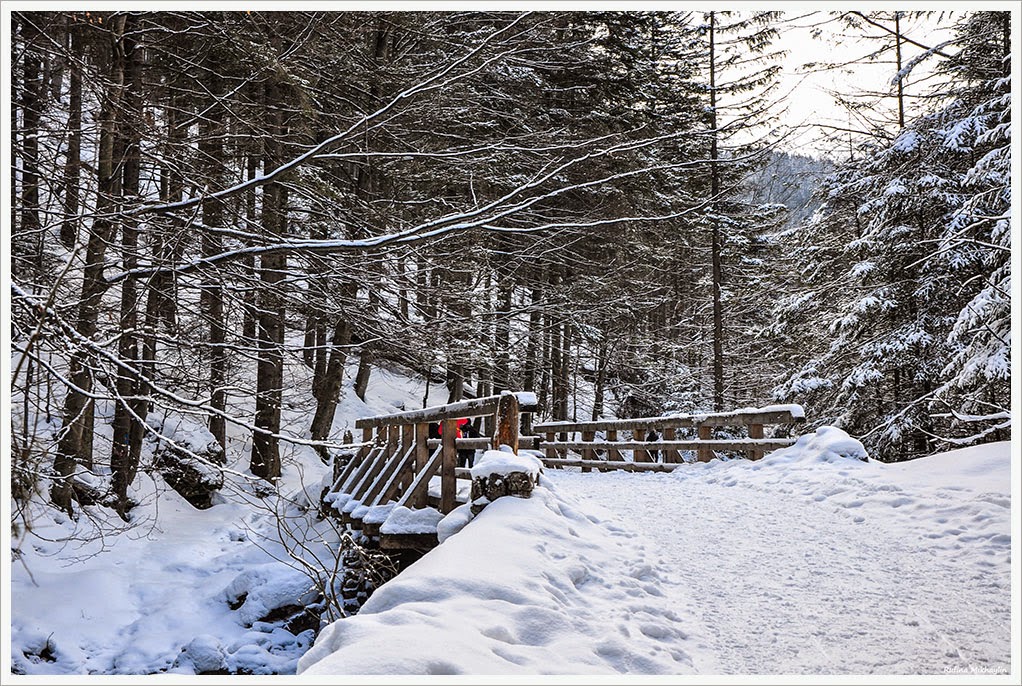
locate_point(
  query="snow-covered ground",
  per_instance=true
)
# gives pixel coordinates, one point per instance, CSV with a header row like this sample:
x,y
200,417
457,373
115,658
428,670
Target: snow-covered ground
x,y
804,562
800,565
807,562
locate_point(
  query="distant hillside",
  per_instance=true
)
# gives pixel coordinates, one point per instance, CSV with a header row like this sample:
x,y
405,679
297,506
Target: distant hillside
x,y
790,180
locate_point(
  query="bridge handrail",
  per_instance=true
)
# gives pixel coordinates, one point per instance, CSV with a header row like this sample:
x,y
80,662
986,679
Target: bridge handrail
x,y
772,414
477,407
753,418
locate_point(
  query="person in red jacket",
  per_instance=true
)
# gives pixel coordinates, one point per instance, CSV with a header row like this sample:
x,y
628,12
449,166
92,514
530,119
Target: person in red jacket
x,y
466,456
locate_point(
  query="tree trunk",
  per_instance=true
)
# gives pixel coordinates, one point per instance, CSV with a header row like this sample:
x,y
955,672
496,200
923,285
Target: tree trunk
x,y
73,165
78,408
212,301
365,368
717,279
250,304
127,429
601,381
327,391
265,459
25,261
502,343
535,338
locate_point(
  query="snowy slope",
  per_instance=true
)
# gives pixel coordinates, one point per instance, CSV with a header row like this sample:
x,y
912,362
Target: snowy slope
x,y
537,586
807,562
129,603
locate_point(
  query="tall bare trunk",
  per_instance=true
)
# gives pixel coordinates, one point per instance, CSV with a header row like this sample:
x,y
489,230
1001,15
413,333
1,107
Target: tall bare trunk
x,y
130,409
72,450
265,459
718,275
73,165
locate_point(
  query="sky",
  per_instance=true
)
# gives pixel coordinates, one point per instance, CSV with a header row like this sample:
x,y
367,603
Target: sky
x,y
809,102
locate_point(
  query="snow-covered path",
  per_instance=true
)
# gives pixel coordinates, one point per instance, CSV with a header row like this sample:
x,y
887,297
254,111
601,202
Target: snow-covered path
x,y
826,567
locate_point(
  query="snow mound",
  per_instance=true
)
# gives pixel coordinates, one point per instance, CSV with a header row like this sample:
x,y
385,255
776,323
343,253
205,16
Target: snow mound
x,y
261,589
502,462
402,520
828,444
533,586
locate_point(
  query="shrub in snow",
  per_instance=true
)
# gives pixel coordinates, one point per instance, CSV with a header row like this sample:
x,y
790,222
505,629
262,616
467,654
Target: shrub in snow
x,y
257,592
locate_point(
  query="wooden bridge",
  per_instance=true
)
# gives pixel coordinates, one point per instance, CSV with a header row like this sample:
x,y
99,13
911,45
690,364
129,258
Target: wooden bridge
x,y
399,465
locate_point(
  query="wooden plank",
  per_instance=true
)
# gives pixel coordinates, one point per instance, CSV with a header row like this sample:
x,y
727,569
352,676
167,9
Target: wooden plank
x,y
588,454
367,440
449,462
508,420
400,472
671,455
704,454
408,541
482,443
677,422
684,444
639,452
755,431
359,490
353,464
604,465
359,473
386,478
613,454
421,454
416,494
476,407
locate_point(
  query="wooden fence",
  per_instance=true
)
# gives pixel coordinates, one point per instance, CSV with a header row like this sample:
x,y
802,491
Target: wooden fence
x,y
397,459
559,441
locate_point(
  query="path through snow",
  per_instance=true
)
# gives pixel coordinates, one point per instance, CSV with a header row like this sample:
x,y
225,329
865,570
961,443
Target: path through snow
x,y
833,567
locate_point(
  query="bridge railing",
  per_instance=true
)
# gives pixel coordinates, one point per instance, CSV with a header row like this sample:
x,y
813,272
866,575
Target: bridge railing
x,y
559,440
397,458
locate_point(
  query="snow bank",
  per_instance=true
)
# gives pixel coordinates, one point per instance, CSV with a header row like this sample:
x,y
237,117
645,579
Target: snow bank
x,y
533,586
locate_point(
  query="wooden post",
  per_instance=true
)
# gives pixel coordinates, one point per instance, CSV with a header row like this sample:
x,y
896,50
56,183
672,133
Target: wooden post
x,y
587,452
407,442
507,422
393,440
755,431
367,437
705,434
449,462
421,446
671,455
638,454
551,452
613,454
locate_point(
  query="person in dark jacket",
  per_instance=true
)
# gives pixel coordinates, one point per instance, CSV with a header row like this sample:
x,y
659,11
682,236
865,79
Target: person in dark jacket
x,y
467,456
654,455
